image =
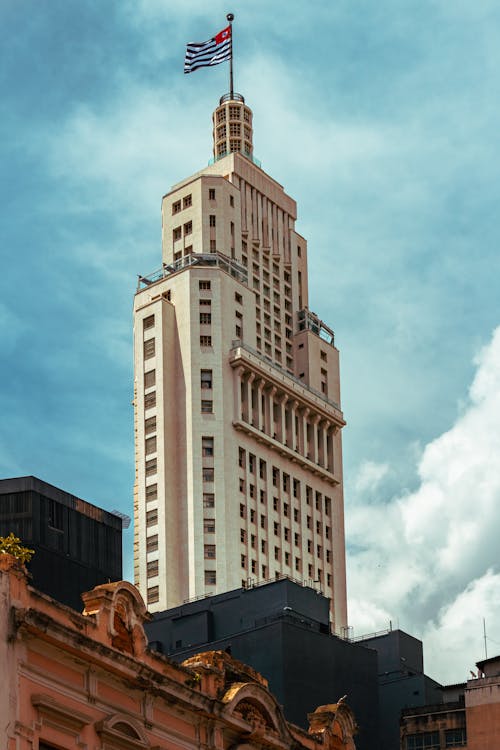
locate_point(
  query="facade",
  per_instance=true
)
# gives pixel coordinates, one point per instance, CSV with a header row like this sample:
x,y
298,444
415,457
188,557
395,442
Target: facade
x,y
77,545
237,415
89,681
436,727
282,630
401,680
482,705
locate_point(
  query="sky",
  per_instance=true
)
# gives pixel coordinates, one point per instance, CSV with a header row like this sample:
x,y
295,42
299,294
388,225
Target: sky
x,y
381,120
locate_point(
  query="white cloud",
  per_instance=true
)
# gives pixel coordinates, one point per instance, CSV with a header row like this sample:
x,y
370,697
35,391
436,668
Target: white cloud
x,y
428,558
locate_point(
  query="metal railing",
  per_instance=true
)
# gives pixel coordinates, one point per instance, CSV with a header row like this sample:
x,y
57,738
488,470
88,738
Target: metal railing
x,y
225,263
238,344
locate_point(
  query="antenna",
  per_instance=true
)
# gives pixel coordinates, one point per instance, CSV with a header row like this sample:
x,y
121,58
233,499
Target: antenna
x,y
484,635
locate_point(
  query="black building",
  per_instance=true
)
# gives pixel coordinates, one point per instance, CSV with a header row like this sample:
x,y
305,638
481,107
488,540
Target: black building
x,y
282,630
77,545
402,682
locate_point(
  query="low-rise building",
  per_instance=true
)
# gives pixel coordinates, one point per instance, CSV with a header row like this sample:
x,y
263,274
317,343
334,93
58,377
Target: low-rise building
x,y
90,681
77,544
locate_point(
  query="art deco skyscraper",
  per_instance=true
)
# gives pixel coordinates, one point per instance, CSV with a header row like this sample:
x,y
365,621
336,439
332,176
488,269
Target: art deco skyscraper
x,y
237,416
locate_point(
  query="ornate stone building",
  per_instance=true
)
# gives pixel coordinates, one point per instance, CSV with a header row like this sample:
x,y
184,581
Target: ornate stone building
x,y
89,681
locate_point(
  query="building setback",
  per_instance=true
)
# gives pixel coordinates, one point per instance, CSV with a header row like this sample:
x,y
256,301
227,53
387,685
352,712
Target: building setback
x,y
89,680
237,393
282,630
77,545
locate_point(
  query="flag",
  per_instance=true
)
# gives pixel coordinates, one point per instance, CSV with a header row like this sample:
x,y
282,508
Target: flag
x,y
211,52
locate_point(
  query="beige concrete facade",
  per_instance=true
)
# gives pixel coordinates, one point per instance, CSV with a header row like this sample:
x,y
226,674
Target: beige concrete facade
x,y
237,395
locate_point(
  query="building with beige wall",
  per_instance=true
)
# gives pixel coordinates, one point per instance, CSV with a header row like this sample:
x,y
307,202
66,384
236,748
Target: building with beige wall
x,y
89,681
237,395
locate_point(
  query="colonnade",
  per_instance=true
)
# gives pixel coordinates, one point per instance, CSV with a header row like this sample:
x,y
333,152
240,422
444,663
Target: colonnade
x,y
284,417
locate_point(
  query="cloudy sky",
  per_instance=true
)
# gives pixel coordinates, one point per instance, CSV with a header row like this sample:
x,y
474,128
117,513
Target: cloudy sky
x,y
382,120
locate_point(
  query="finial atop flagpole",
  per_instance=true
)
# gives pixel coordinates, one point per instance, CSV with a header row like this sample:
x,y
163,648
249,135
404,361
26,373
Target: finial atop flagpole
x,y
230,18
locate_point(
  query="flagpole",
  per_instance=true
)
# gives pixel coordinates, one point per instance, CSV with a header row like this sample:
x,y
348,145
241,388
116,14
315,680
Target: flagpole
x,y
230,18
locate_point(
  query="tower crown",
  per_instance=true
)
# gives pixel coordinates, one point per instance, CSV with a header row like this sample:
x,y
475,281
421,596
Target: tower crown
x,y
232,127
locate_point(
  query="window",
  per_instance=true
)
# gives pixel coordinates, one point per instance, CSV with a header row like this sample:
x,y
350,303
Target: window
x,y
262,496
308,522
213,246
242,511
328,555
55,515
308,495
263,546
153,594
152,568
242,485
276,527
149,378
287,558
263,522
276,553
204,284
296,539
286,482
211,194
148,322
150,445
328,505
234,113
323,357
327,532
208,474
276,504
318,550
150,425
254,566
188,228
209,551
207,446
152,543
423,741
251,463
150,400
210,578
149,348
276,476
318,527
238,298
310,571
177,233
176,207
151,492
205,302
318,500
251,490
241,458
264,572
297,563
252,515
152,517
243,536
231,201
455,737
286,533
151,467
243,561
188,201
262,469
205,318
285,509
212,220
328,579
309,546
208,500
296,516
296,488
205,341
206,379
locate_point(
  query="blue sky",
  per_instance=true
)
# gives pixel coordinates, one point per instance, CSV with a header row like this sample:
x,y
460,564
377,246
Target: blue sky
x,y
381,120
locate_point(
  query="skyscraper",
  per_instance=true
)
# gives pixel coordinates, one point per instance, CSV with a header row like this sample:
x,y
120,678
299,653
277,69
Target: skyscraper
x,y
237,415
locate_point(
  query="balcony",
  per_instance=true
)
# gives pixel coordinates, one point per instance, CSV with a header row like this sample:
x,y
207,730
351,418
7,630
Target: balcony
x,y
217,260
307,320
240,350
